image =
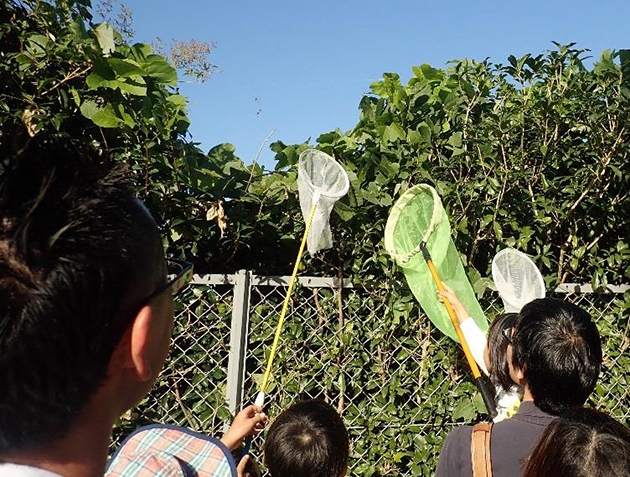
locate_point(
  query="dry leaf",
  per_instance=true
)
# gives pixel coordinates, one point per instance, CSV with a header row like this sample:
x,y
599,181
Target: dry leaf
x,y
27,119
216,212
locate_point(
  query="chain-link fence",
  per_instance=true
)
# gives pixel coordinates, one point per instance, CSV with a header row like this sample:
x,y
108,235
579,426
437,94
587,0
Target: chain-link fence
x,y
399,384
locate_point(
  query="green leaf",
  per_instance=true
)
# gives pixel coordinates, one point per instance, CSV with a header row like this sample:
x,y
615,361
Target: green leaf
x,y
75,96
392,133
481,285
428,72
36,45
77,28
414,137
104,117
464,409
117,74
105,37
158,68
89,108
24,60
134,85
125,117
125,68
178,100
425,131
497,230
455,139
95,80
140,51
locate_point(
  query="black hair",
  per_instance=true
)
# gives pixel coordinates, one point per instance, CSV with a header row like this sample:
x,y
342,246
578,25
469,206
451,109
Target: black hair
x,y
582,443
497,349
558,347
73,240
309,439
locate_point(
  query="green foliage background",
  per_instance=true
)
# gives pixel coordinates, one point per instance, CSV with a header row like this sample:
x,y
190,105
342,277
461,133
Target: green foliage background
x,y
532,154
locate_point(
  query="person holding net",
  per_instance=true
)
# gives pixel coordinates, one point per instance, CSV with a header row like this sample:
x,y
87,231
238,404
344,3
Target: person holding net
x,y
322,181
554,353
490,353
518,281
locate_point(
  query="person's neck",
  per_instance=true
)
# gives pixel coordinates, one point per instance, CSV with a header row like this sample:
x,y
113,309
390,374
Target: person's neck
x,y
527,394
81,453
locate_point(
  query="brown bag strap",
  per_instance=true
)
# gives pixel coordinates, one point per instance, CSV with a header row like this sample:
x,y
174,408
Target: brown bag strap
x,y
480,449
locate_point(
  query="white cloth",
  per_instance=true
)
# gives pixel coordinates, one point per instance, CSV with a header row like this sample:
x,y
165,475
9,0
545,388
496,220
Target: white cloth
x,y
507,402
15,470
476,340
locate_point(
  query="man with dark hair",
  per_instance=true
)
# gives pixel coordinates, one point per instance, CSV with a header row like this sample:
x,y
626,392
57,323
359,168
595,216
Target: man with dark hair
x,y
555,355
86,309
308,439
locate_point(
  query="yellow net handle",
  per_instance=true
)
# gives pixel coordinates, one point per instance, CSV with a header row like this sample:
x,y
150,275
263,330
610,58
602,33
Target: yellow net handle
x,y
285,306
451,313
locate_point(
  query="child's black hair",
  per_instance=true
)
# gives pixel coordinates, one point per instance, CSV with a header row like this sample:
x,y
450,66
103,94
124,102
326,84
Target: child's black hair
x,y
309,439
497,348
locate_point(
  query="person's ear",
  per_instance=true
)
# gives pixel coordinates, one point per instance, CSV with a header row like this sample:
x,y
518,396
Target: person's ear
x,y
140,344
133,351
519,374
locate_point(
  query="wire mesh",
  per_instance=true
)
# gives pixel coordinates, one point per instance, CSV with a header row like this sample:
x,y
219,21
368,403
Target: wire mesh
x,y
191,388
399,384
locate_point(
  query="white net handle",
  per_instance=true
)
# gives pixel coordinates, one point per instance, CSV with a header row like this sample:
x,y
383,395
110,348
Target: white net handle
x,y
517,279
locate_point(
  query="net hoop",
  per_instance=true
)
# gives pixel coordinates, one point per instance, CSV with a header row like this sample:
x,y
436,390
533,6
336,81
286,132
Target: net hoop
x,y
330,161
394,216
509,262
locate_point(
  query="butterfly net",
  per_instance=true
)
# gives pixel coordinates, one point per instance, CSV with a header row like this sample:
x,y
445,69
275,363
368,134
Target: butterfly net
x,y
321,182
418,216
517,279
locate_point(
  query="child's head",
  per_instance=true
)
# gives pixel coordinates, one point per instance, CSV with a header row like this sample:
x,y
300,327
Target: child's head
x,y
496,349
308,439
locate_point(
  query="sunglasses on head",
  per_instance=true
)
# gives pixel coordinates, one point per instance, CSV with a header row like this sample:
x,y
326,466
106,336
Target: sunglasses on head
x,y
507,332
180,274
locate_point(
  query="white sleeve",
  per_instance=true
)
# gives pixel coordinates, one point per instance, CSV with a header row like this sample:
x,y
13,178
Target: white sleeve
x,y
476,341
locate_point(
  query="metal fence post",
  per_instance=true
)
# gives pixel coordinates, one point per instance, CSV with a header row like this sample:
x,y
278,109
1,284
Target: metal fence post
x,y
238,340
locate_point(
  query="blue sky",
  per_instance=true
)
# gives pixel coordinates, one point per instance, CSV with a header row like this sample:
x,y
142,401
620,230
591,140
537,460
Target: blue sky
x,y
300,68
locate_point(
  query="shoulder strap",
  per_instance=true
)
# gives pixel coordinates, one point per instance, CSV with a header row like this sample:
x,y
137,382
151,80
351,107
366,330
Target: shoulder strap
x,y
480,449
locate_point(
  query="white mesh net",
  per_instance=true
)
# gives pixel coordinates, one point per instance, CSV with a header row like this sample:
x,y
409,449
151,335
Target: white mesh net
x,y
517,279
321,182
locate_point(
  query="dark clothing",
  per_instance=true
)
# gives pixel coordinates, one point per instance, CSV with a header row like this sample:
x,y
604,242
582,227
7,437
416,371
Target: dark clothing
x,y
511,443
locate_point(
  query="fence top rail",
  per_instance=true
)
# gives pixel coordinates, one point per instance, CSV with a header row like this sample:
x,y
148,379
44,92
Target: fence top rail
x,y
271,280
332,282
587,288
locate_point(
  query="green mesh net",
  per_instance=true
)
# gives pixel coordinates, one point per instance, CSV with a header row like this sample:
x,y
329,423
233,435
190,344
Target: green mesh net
x,y
418,216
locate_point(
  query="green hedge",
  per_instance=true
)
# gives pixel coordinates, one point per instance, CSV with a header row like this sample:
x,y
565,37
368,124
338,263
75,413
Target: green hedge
x,y
399,384
533,153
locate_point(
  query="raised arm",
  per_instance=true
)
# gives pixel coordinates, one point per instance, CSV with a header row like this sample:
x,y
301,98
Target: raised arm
x,y
475,338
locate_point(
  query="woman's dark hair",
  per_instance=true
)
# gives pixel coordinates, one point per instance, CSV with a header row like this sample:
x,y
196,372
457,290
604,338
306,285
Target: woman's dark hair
x,y
72,242
309,439
497,348
582,443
